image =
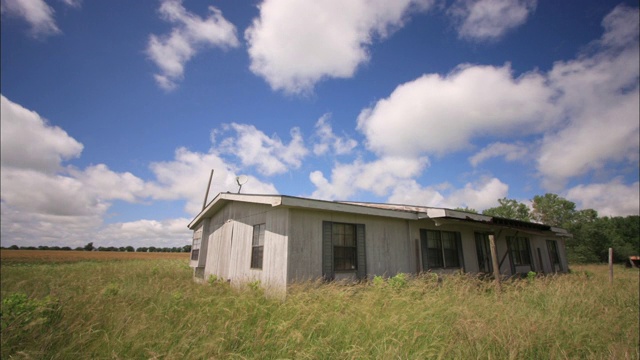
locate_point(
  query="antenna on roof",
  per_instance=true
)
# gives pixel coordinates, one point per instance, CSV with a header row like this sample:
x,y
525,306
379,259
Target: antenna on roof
x,y
206,195
241,180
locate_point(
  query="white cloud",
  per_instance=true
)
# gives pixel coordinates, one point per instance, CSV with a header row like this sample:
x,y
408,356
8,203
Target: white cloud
x,y
44,202
600,100
480,195
189,34
268,154
489,19
330,141
435,114
510,152
294,44
37,13
186,177
72,3
610,199
28,142
581,116
165,233
378,177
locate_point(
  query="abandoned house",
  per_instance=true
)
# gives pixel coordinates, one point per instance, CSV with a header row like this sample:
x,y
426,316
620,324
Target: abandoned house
x,y
279,240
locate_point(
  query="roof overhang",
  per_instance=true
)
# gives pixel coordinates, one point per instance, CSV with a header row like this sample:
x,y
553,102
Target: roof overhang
x,y
440,216
294,202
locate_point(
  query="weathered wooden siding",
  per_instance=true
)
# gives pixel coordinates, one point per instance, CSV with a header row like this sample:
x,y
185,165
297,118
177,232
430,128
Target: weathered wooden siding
x,y
230,244
389,249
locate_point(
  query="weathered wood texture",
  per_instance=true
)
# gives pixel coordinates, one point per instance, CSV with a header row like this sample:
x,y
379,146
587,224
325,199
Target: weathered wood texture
x,y
293,244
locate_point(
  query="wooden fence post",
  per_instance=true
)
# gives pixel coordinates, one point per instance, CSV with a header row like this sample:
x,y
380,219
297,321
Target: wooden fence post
x,y
610,266
494,260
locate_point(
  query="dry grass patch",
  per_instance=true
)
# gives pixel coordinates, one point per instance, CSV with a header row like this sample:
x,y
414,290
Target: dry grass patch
x,y
31,256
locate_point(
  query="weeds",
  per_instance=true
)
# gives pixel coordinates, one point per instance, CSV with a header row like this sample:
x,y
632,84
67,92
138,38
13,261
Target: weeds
x,y
154,309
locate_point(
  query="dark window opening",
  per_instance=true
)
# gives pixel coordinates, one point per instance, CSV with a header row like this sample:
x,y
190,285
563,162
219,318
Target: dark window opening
x,y
441,249
519,247
257,246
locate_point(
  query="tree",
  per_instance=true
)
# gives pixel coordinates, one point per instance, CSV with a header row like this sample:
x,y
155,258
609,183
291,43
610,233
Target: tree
x,y
467,209
129,249
89,247
553,210
509,209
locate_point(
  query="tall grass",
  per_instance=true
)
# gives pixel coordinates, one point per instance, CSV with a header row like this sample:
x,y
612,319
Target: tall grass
x,y
153,309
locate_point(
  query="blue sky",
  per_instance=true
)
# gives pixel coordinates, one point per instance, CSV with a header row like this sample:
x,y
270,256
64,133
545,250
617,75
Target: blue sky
x,y
114,112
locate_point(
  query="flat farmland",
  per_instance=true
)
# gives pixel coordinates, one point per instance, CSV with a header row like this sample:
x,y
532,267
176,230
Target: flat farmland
x,y
27,256
146,306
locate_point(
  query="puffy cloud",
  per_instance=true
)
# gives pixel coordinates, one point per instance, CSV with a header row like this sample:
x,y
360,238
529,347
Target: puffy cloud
x,y
479,195
582,115
489,19
165,233
435,114
330,141
186,177
28,142
37,13
600,100
510,152
610,199
294,44
378,176
268,154
190,33
46,203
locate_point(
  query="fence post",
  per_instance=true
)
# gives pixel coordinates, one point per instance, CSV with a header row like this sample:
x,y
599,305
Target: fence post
x,y
610,266
494,261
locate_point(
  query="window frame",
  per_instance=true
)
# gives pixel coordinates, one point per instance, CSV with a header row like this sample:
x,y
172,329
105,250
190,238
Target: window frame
x,y
519,248
434,250
257,246
196,244
554,254
345,250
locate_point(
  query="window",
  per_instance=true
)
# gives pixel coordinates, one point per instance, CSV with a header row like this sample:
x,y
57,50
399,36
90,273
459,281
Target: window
x,y
519,247
344,247
195,248
257,246
552,246
441,249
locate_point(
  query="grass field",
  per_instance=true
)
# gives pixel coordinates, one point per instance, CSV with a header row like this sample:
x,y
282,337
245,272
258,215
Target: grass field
x,y
46,256
149,308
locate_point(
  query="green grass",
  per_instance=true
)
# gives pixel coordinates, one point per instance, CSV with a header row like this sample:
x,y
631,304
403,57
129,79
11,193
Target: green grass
x,y
143,309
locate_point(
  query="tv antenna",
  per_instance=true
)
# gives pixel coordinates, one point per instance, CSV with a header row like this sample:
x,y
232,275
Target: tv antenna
x,y
206,195
241,180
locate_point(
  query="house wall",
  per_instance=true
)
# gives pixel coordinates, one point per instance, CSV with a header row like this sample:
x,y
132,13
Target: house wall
x,y
293,245
389,249
468,240
230,244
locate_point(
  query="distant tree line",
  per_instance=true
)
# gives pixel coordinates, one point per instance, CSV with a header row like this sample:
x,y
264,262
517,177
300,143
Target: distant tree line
x,y
592,235
90,247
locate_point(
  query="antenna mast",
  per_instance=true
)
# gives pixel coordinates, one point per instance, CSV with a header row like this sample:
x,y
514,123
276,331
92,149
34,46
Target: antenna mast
x,y
206,195
241,180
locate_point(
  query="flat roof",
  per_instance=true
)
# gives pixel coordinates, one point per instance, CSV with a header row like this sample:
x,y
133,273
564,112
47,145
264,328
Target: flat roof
x,y
408,212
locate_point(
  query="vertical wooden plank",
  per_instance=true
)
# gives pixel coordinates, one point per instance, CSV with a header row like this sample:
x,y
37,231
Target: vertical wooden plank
x,y
494,260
